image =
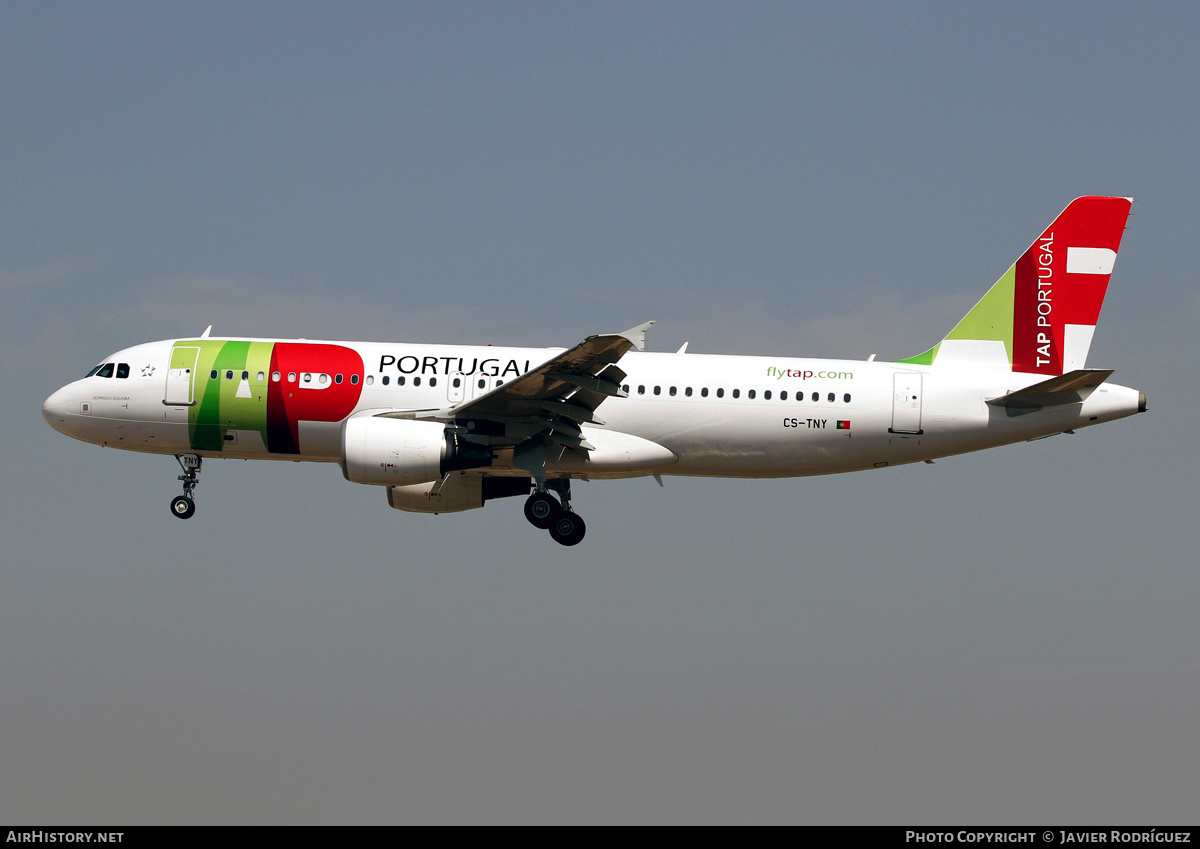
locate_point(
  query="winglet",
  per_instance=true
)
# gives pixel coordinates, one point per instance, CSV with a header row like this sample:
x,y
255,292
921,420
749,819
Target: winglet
x,y
637,335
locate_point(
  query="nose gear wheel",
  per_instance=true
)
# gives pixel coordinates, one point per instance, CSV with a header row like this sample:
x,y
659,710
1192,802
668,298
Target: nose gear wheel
x,y
184,506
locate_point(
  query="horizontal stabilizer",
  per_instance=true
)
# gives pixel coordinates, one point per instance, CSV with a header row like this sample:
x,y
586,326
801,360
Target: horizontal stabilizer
x,y
1070,388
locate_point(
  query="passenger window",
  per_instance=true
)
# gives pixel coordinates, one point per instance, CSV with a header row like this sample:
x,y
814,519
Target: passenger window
x,y
245,375
337,378
122,370
370,379
323,379
737,393
416,381
457,383
766,394
400,380
625,388
106,370
229,374
354,379
704,392
658,390
783,395
212,375
688,392
291,377
483,383
262,375
720,393
846,397
816,396
641,390
433,381
307,377
831,397
672,390
386,380
275,377
750,394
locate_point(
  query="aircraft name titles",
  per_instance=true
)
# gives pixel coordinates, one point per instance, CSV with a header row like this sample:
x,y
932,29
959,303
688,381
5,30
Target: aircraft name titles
x,y
1044,305
489,367
808,374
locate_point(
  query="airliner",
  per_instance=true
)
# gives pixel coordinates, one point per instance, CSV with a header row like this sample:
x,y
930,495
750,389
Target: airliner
x,y
447,428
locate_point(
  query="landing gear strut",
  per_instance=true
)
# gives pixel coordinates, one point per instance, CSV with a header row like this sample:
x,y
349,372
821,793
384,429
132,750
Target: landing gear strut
x,y
545,512
184,506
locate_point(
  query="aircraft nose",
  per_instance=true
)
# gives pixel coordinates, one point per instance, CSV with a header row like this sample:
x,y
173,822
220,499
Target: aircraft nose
x,y
56,410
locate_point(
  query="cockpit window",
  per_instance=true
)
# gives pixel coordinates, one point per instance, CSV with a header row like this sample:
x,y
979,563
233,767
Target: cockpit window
x,y
122,370
93,371
105,370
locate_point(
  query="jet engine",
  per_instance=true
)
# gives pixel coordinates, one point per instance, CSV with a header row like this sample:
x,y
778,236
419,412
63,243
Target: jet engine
x,y
400,452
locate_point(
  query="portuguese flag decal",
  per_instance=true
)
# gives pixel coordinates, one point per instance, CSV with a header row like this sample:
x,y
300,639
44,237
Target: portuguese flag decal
x,y
843,425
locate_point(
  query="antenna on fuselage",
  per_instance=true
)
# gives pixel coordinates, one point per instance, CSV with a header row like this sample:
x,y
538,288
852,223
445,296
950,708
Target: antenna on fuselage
x,y
207,331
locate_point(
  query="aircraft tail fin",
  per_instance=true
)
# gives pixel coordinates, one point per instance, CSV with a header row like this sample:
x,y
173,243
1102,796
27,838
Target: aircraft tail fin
x,y
1039,317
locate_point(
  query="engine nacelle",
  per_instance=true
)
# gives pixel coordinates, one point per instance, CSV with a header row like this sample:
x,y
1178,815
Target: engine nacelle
x,y
457,493
399,452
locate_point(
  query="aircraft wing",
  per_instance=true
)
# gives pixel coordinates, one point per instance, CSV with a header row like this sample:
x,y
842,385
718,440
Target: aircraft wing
x,y
553,399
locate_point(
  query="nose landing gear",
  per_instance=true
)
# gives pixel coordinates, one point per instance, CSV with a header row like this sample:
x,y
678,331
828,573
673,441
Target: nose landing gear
x,y
184,506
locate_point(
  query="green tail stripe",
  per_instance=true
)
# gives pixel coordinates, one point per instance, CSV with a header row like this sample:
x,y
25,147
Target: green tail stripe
x,y
992,317
925,359
989,320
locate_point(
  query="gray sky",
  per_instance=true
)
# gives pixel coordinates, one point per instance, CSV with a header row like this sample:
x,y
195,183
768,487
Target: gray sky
x,y
1006,637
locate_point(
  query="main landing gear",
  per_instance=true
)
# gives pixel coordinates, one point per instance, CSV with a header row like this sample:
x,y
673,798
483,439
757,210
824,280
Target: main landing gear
x,y
545,512
184,506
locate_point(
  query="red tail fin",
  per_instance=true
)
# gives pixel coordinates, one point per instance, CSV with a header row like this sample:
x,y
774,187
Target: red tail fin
x,y
1060,283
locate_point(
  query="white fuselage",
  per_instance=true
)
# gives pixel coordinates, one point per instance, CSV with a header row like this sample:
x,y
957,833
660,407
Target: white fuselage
x,y
720,416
